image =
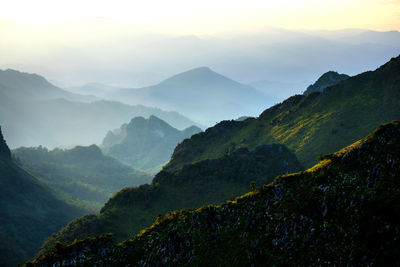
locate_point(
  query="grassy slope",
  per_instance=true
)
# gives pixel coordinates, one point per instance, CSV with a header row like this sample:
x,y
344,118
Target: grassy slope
x,y
210,181
309,125
29,212
343,211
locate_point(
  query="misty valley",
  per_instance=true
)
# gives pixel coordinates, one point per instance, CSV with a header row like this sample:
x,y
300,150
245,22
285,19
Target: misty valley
x,y
279,161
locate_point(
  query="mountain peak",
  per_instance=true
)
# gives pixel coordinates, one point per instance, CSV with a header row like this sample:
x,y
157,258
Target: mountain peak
x,y
198,75
4,150
327,79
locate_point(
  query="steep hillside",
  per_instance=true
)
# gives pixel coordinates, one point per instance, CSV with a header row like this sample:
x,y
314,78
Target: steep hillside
x,y
29,211
209,181
201,94
146,144
343,211
327,79
309,125
83,173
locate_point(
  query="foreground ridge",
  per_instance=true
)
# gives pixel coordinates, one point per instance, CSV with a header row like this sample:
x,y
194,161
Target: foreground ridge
x,y
343,211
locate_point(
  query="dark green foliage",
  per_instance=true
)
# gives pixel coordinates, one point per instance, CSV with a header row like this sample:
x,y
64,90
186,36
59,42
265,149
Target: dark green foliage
x,y
4,150
344,211
146,144
205,182
29,211
82,173
306,123
327,79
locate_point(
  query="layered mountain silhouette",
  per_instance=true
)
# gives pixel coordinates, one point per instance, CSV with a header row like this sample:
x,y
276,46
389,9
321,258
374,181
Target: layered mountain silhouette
x,y
295,221
204,182
26,86
81,173
201,94
309,125
327,79
145,143
30,211
34,112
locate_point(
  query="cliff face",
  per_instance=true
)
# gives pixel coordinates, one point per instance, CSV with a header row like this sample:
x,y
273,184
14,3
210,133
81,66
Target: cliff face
x,y
4,150
343,211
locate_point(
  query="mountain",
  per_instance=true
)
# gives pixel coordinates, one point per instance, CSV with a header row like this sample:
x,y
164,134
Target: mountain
x,y
201,183
309,125
29,211
63,123
327,79
82,173
201,93
146,144
34,112
343,211
26,86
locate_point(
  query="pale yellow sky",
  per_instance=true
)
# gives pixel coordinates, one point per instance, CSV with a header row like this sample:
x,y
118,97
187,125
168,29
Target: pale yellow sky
x,y
21,18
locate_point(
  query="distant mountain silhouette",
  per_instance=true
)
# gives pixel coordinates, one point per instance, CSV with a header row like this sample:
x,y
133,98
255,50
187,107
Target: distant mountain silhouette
x,y
145,143
327,79
200,93
34,112
26,86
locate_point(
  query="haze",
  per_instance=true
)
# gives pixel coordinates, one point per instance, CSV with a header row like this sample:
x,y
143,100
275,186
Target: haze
x,y
137,43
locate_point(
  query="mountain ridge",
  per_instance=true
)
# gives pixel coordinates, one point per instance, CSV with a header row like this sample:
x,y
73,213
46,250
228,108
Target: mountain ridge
x,y
342,114
220,96
296,220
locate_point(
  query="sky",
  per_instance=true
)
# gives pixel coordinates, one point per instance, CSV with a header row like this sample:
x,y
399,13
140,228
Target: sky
x,y
32,32
45,17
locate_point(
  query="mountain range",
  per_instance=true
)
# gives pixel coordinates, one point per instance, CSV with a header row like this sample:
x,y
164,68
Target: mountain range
x,y
145,144
34,112
295,221
309,125
199,93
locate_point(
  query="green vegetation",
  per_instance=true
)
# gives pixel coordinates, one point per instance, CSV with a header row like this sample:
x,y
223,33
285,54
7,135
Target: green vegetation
x,y
307,124
29,211
205,182
343,211
327,79
145,144
83,174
